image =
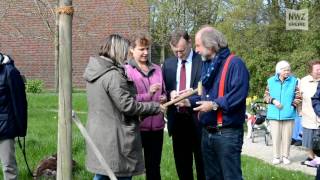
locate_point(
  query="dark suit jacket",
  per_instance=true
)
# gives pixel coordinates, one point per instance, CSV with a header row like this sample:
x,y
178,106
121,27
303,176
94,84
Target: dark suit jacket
x,y
169,70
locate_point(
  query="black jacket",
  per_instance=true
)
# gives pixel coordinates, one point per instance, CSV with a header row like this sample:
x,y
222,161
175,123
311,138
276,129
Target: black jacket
x,y
169,71
13,102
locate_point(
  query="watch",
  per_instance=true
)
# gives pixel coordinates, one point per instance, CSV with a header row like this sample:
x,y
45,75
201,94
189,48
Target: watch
x,y
214,105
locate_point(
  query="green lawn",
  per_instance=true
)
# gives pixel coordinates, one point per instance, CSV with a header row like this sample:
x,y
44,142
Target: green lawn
x,y
42,138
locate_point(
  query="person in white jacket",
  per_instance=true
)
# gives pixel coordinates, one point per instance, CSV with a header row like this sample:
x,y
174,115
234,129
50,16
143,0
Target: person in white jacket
x,y
310,122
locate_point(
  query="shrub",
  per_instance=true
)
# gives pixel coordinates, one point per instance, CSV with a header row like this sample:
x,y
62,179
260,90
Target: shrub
x,y
34,86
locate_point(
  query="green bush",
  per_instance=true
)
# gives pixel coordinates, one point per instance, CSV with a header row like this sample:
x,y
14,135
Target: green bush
x,y
34,86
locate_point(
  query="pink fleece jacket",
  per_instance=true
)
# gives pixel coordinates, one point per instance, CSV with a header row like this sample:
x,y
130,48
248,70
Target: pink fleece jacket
x,y
142,82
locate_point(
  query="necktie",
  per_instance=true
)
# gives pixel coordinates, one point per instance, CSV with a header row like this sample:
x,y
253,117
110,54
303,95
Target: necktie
x,y
183,79
182,82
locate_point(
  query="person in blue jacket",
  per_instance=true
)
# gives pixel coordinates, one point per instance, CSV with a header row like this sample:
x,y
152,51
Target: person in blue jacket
x,y
13,115
282,95
316,101
221,140
316,107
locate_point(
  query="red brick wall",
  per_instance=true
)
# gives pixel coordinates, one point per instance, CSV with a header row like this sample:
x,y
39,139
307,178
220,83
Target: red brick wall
x,y
24,36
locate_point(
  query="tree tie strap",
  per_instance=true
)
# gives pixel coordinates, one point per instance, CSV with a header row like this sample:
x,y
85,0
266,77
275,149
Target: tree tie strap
x,y
69,10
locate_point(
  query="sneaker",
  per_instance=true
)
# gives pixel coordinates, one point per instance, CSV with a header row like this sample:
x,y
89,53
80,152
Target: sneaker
x,y
276,161
286,160
311,163
304,162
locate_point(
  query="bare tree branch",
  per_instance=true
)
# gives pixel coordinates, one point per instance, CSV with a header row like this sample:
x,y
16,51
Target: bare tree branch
x,y
48,5
43,17
3,14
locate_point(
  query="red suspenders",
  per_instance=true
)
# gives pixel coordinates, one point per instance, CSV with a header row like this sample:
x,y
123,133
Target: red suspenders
x,y
221,87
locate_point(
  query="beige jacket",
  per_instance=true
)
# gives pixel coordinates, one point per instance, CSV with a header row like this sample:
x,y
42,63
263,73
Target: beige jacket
x,y
308,87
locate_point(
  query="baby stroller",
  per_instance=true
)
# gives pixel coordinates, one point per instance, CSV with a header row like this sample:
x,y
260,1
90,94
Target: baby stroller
x,y
258,123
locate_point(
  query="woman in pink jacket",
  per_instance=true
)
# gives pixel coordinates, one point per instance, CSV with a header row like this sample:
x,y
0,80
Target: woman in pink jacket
x,y
148,80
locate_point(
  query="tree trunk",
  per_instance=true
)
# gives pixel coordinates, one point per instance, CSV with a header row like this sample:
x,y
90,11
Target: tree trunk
x,y
64,165
162,54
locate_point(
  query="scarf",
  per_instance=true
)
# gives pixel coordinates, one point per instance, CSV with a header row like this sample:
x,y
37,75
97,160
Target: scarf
x,y
211,68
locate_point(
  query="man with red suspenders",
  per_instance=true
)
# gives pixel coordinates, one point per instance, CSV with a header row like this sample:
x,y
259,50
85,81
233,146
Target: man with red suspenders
x,y
222,106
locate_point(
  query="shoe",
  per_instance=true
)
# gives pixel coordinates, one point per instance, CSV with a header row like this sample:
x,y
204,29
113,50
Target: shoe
x,y
311,163
286,160
304,162
276,161
298,143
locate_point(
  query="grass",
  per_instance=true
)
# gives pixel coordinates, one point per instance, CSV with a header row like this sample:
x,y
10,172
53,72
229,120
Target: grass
x,y
42,138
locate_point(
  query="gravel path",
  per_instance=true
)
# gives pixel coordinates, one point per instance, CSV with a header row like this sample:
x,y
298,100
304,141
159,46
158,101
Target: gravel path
x,y
261,151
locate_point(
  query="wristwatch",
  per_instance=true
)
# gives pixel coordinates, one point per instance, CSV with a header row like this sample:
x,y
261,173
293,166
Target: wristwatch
x,y
214,105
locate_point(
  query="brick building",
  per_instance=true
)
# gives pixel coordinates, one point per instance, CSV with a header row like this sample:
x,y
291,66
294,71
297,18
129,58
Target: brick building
x,y
25,36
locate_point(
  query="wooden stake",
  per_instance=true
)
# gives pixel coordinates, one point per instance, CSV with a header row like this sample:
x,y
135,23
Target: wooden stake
x,y
96,151
64,164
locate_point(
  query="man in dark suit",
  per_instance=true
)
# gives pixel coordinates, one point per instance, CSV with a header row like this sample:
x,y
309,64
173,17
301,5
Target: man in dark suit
x,y
182,72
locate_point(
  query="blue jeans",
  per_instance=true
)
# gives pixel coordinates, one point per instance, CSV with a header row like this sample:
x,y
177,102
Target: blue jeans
x,y
222,154
297,130
103,177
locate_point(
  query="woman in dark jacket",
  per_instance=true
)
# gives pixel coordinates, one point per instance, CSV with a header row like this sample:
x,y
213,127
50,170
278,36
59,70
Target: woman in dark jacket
x,y
113,112
316,107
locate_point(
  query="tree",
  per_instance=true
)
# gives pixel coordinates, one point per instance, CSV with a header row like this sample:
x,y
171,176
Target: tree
x,y
256,31
169,15
6,5
47,14
45,11
161,15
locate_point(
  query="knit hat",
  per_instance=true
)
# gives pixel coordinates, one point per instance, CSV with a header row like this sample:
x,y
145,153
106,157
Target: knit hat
x,y
281,65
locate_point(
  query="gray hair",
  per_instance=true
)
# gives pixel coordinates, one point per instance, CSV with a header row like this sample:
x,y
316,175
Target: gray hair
x,y
281,65
212,38
116,48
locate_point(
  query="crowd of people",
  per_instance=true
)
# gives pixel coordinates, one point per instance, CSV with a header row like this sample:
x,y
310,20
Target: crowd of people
x,y
288,99
126,95
293,113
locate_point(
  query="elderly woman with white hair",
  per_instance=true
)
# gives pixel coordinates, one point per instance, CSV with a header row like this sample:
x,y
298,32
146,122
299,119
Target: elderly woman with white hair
x,y
282,95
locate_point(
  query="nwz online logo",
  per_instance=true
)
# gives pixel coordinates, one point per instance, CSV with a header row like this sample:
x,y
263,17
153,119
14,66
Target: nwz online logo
x,y
297,19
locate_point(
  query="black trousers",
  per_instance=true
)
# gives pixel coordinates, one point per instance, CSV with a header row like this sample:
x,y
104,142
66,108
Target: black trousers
x,y
186,140
152,142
